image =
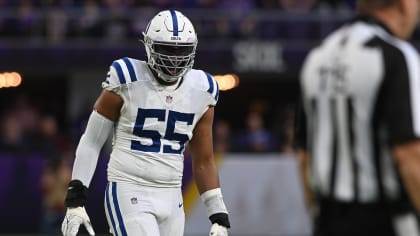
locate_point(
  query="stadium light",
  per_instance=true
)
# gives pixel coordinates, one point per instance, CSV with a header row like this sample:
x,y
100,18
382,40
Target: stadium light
x,y
10,79
227,81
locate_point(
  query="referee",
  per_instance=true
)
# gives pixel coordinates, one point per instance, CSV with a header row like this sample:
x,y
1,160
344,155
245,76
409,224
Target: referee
x,y
359,128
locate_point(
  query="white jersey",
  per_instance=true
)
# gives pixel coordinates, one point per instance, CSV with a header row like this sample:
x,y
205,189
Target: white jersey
x,y
156,122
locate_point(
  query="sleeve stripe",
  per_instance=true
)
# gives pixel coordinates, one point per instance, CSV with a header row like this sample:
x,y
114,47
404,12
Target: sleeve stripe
x,y
210,90
212,84
120,73
108,75
217,91
130,69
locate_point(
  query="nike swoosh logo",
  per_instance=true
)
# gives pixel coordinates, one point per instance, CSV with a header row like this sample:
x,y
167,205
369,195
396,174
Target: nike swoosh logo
x,y
180,205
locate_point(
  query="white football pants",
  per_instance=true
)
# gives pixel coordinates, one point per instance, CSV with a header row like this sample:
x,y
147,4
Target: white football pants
x,y
134,210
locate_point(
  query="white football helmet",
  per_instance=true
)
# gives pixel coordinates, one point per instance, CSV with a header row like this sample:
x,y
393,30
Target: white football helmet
x,y
170,41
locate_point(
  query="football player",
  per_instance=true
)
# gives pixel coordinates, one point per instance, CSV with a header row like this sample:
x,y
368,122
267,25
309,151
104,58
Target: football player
x,y
153,109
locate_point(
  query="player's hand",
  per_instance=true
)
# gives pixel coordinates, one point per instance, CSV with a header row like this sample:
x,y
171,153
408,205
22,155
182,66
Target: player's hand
x,y
218,230
75,216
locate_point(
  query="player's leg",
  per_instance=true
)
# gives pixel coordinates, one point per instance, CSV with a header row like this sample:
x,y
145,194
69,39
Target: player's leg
x,y
142,223
173,226
173,223
128,211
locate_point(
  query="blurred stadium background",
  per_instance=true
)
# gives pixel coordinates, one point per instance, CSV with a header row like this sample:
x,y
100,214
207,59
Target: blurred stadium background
x,y
54,54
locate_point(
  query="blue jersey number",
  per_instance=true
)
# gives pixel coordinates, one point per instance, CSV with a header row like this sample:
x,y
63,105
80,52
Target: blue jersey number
x,y
155,136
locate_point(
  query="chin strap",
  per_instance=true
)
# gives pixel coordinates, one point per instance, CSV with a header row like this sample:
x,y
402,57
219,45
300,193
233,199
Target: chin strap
x,y
172,79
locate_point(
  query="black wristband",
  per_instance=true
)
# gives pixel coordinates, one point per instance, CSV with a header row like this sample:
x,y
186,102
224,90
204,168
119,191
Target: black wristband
x,y
220,218
76,194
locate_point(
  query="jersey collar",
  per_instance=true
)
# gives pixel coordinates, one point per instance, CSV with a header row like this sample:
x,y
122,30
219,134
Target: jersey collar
x,y
371,20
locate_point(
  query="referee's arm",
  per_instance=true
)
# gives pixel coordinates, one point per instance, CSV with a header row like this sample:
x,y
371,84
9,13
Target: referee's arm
x,y
300,144
303,159
408,161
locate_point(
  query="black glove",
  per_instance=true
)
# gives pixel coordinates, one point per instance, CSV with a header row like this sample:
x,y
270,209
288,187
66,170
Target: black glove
x,y
221,219
76,194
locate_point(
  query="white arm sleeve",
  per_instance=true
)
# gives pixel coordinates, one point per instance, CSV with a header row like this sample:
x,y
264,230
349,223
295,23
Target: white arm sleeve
x,y
87,153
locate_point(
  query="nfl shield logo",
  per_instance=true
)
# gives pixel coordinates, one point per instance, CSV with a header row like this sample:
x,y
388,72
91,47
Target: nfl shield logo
x,y
168,99
133,200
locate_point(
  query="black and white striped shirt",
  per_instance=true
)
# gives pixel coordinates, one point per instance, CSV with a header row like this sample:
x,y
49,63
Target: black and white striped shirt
x,y
360,95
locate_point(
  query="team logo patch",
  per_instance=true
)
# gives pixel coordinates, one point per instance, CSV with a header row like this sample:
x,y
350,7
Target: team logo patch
x,y
169,99
133,200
